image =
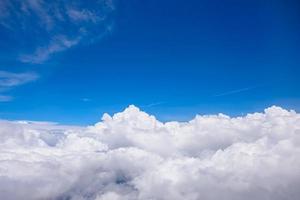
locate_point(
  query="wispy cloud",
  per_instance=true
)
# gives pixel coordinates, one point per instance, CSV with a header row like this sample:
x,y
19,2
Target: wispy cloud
x,y
42,54
235,91
54,26
4,98
85,99
153,104
83,15
9,80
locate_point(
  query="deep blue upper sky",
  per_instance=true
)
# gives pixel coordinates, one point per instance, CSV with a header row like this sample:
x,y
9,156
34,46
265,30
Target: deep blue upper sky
x,y
173,59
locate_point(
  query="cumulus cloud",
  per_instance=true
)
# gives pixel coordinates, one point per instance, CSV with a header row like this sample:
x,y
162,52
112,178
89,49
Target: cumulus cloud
x,y
132,155
47,27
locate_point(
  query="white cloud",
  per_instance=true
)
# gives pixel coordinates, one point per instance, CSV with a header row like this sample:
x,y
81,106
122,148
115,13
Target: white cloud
x,y
235,91
41,54
48,27
85,99
9,80
5,98
82,15
131,155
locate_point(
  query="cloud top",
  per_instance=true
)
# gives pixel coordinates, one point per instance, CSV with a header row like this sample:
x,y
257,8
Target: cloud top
x,y
132,155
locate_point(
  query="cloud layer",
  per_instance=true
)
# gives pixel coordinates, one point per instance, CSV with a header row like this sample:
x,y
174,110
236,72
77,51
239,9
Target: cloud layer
x,y
131,155
47,27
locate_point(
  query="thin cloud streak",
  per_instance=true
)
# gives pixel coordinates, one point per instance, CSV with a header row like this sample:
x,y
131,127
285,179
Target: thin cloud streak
x,y
235,91
153,104
4,98
10,80
42,54
54,26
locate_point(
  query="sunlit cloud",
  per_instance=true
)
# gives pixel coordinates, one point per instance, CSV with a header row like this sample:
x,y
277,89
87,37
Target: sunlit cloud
x,y
131,155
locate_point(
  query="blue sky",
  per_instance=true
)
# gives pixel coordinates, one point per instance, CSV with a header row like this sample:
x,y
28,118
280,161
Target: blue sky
x,y
71,62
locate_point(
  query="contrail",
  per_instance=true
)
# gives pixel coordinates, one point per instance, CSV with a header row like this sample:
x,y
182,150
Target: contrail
x,y
153,104
235,91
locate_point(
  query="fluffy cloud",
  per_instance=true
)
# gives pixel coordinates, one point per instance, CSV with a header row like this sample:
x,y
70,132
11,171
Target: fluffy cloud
x,y
47,27
131,155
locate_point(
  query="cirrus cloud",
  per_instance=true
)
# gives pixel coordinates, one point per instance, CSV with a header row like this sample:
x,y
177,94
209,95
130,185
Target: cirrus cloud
x,y
10,80
48,27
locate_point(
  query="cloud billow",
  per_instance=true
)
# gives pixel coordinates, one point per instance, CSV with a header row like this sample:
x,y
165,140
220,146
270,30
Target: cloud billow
x,y
132,155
